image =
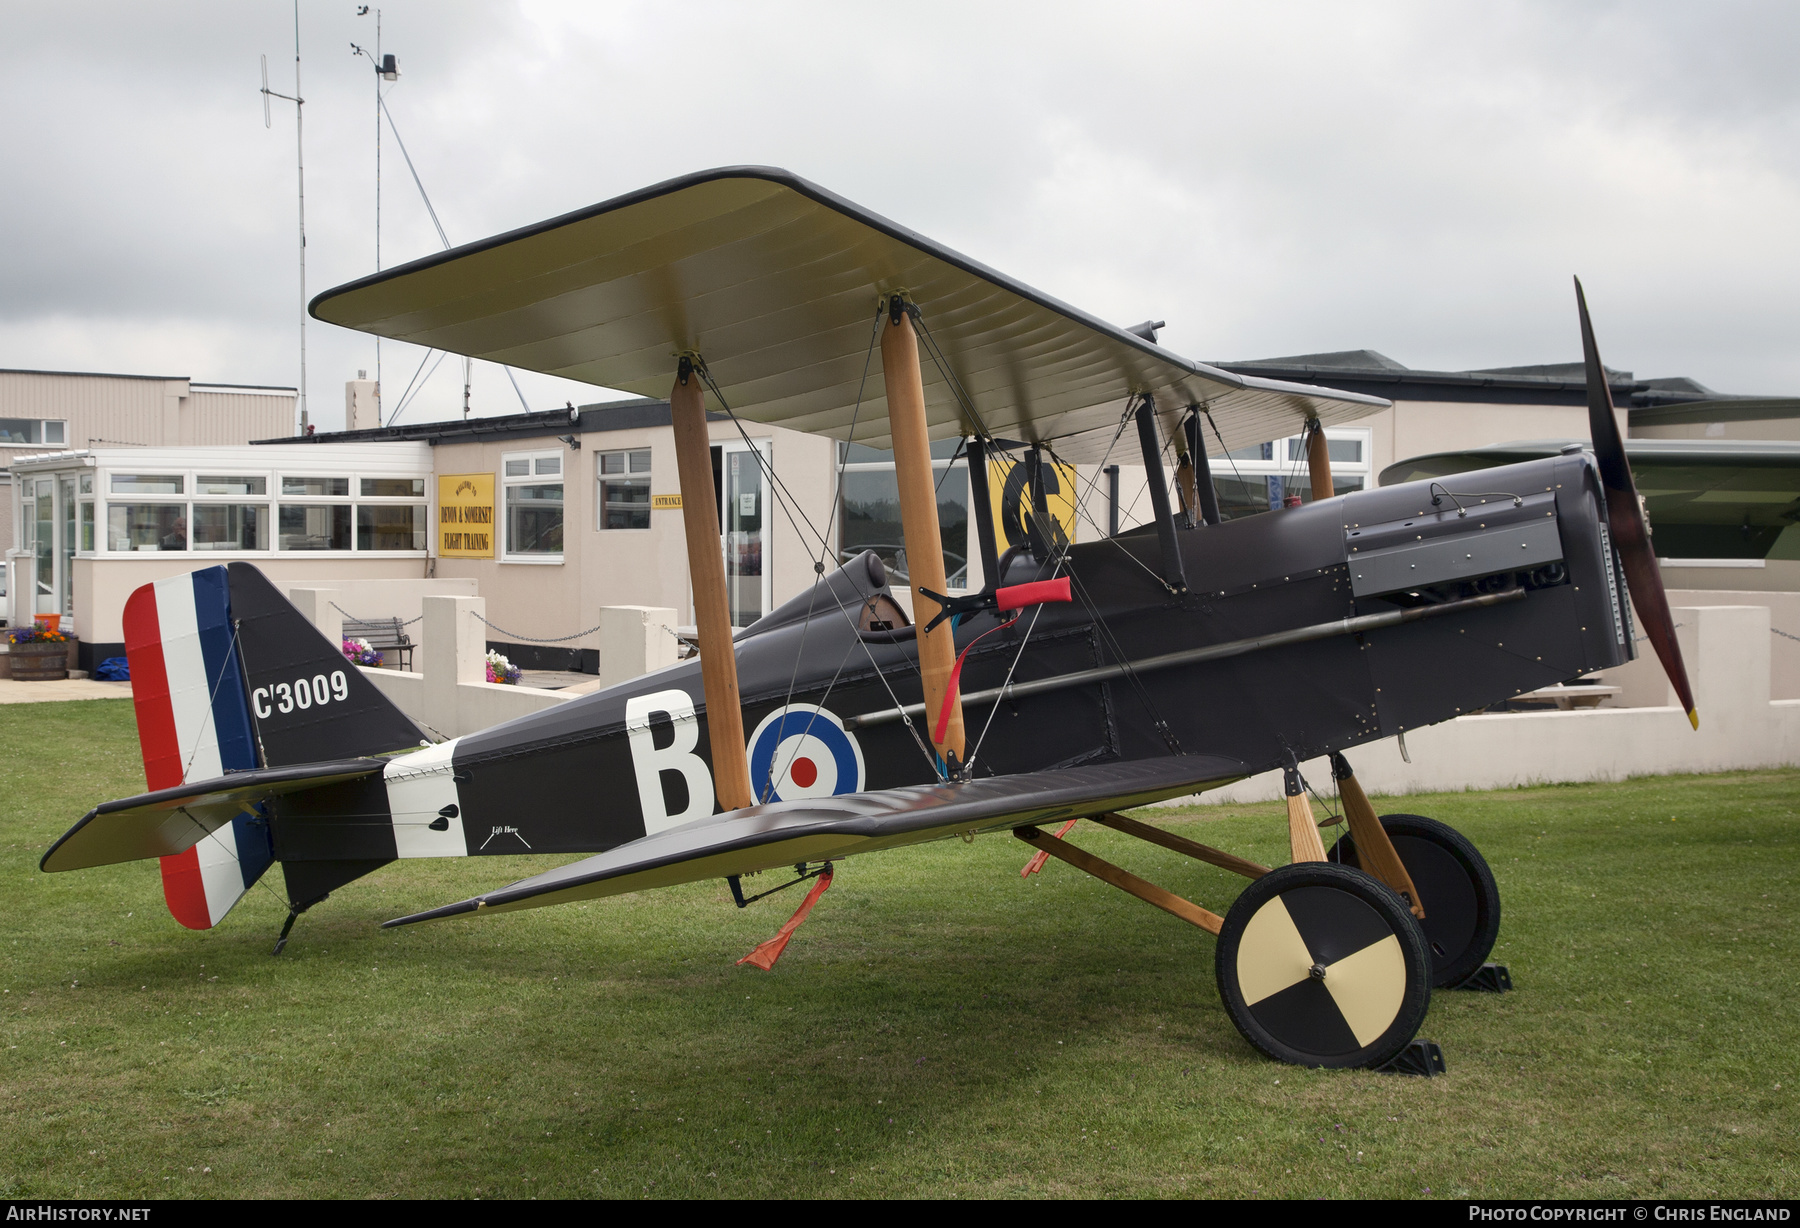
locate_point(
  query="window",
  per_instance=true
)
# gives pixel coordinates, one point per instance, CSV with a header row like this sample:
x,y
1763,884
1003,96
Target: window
x,y
399,526
146,526
147,484
534,507
624,489
87,525
393,488
32,430
231,526
317,488
214,484
1262,477
870,519
307,526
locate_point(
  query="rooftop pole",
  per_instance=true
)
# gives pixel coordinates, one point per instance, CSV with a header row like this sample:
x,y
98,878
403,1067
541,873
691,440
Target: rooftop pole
x,y
919,525
706,571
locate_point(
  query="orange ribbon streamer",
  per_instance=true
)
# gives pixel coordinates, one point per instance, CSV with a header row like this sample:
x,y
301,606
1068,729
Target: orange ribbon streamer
x,y
764,956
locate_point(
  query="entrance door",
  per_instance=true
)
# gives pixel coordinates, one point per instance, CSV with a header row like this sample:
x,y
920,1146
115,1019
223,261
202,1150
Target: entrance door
x,y
744,528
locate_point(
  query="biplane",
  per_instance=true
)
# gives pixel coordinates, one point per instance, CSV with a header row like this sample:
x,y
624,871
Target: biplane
x,y
1082,679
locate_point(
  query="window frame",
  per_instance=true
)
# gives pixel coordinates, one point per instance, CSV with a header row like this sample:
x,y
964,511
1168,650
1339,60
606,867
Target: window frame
x,y
531,477
628,475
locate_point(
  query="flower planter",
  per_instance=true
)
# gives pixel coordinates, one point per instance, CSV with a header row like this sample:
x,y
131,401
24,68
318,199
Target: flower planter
x,y
39,661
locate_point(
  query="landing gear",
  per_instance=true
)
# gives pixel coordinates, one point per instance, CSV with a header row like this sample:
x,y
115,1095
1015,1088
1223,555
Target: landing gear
x,y
1321,965
1461,900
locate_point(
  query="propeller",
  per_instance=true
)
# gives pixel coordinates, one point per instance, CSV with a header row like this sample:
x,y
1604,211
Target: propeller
x,y
1625,516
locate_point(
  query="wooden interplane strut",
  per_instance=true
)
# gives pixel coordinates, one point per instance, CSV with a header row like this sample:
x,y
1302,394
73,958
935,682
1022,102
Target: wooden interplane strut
x,y
1318,461
919,524
706,571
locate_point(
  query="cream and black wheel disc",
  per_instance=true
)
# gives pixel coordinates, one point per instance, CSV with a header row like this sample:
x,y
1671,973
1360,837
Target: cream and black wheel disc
x,y
1321,965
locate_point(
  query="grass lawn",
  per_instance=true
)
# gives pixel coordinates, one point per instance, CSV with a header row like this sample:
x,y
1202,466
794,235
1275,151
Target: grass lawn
x,y
939,1026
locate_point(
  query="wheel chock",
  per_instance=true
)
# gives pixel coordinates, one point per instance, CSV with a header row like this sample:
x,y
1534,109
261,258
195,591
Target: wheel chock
x,y
1420,1057
1489,978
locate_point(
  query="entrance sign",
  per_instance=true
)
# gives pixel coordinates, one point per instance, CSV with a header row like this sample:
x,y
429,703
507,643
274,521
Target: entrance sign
x,y
661,503
466,516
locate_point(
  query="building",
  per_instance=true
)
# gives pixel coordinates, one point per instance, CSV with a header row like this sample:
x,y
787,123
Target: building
x,y
103,521
61,410
553,515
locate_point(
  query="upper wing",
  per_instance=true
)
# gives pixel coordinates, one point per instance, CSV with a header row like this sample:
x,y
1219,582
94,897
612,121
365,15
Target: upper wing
x,y
775,281
824,829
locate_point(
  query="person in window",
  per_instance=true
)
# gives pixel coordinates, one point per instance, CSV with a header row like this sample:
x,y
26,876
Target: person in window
x,y
176,538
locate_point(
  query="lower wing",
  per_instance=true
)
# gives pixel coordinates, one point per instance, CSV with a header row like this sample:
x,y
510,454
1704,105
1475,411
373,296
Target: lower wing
x,y
783,833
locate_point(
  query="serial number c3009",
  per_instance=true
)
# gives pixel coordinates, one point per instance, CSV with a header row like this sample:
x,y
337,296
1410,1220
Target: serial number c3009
x,y
301,693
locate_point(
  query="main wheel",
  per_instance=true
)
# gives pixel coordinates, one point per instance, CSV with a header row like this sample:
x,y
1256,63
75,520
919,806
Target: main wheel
x,y
1456,889
1320,965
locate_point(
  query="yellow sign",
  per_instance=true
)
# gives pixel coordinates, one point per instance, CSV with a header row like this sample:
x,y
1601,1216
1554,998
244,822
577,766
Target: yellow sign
x,y
466,516
662,503
1011,496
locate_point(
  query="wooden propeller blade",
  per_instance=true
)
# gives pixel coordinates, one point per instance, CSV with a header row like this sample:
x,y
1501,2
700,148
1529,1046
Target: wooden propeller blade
x,y
1625,516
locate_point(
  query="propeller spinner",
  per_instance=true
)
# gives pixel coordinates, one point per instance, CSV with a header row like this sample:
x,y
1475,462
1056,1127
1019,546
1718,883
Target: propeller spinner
x,y
1625,516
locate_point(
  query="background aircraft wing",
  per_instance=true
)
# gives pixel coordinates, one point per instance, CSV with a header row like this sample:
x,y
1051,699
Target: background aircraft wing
x,y
1705,498
824,829
775,281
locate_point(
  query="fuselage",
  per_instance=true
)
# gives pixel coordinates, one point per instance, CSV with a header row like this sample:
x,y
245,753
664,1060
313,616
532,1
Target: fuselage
x,y
610,767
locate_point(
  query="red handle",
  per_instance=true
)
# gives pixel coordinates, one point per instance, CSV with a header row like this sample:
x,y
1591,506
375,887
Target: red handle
x,y
1038,592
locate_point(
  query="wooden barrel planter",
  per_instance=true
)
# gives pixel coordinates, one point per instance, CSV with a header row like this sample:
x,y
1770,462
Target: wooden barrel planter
x,y
39,661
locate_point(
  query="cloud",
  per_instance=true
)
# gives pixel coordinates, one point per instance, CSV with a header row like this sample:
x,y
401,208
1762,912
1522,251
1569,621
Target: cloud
x,y
1419,179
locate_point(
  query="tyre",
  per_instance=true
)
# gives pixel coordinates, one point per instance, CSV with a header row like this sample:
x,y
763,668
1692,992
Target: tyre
x,y
1321,965
1456,889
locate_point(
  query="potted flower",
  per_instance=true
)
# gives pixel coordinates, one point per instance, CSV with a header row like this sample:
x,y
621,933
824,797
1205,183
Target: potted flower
x,y
38,654
499,669
360,652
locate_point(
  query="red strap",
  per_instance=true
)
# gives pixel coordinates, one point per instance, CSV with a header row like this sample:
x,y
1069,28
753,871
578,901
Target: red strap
x,y
1038,592
1040,857
943,719
764,956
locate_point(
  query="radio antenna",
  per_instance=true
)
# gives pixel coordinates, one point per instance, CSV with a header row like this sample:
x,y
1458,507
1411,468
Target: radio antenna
x,y
300,163
385,70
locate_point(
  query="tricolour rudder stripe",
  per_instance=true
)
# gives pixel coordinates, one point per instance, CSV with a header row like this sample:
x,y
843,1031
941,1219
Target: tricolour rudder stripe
x,y
194,724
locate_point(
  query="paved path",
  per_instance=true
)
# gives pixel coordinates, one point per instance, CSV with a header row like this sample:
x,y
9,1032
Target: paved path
x,y
12,692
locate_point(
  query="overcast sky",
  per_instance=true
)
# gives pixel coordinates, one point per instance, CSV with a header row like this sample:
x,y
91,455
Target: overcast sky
x,y
1271,179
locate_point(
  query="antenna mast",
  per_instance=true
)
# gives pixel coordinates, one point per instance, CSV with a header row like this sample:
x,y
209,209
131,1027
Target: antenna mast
x,y
385,70
300,161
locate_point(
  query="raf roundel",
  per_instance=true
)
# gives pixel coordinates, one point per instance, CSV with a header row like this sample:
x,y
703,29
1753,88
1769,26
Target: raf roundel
x,y
802,750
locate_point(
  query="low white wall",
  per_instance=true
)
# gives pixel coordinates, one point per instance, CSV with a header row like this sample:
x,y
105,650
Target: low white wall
x,y
1727,650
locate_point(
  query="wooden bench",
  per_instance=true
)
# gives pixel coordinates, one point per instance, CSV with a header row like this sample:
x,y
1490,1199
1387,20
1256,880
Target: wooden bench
x,y
385,635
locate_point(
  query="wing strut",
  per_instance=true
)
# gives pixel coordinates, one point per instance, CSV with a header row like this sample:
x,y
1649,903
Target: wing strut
x,y
1318,461
919,525
1174,576
1207,492
706,570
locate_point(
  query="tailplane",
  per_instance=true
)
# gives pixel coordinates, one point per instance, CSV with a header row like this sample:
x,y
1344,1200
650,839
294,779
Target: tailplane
x,y
227,676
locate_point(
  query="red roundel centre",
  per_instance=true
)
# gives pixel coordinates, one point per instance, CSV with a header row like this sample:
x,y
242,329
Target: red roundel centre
x,y
804,773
